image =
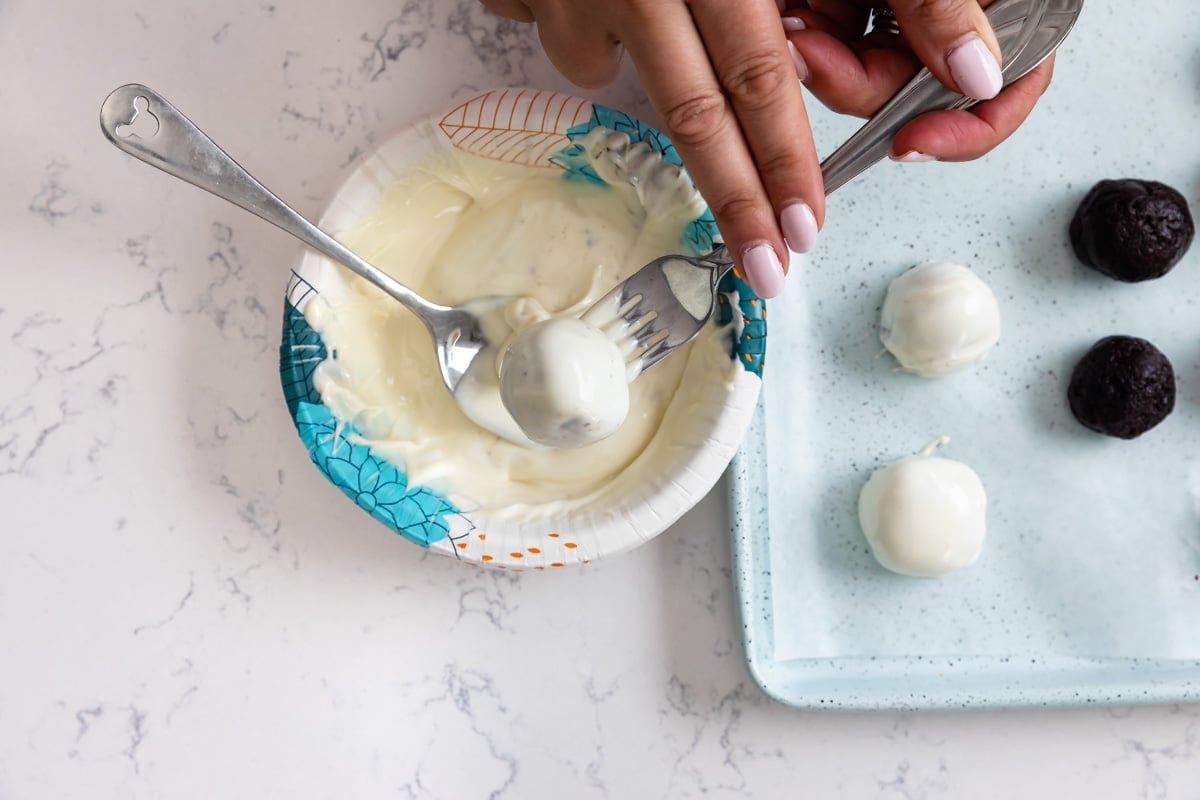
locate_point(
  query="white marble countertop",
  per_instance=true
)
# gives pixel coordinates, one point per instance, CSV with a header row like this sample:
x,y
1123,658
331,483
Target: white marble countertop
x,y
188,610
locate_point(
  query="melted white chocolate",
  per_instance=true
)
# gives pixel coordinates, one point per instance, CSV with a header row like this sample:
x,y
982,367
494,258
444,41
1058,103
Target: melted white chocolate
x,y
924,515
939,318
457,227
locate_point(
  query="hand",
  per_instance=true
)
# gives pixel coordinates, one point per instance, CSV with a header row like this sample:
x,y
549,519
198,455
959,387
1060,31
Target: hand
x,y
724,79
857,74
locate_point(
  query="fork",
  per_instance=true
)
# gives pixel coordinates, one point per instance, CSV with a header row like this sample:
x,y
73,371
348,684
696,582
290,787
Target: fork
x,y
665,304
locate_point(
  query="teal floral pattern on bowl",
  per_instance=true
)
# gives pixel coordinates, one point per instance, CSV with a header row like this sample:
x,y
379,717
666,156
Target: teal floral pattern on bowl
x,y
418,514
548,125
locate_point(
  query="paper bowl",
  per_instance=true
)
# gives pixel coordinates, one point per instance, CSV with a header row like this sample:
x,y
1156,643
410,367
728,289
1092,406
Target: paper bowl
x,y
537,129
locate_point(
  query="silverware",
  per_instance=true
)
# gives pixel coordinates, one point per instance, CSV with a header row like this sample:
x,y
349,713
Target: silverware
x,y
1028,31
140,122
662,306
660,311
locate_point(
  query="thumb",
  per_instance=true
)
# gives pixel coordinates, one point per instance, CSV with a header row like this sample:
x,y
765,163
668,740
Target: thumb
x,y
954,39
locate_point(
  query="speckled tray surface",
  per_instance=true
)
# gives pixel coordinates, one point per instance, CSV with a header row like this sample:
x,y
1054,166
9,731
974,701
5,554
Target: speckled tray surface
x,y
1089,587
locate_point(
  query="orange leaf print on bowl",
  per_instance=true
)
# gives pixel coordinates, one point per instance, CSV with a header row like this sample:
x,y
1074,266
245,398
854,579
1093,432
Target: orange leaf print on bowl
x,y
518,126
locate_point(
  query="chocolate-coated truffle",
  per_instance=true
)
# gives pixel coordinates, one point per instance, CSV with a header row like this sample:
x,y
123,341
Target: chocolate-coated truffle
x,y
1132,230
1123,387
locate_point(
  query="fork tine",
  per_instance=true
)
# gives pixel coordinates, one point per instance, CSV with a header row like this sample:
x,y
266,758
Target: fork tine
x,y
630,305
628,349
650,332
634,326
637,313
655,354
656,310
657,337
647,340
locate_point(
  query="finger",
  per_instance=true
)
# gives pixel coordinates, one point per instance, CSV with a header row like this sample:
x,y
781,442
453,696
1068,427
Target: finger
x,y
965,135
512,9
758,73
799,19
851,22
680,82
954,39
581,49
850,18
851,82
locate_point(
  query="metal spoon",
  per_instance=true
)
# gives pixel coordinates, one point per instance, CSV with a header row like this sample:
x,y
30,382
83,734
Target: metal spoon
x,y
139,121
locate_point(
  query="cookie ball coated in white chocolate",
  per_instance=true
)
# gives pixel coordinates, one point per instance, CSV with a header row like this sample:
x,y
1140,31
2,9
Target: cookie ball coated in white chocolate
x,y
564,382
938,318
924,515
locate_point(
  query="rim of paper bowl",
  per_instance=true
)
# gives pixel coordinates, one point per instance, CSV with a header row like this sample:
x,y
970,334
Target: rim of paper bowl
x,y
536,128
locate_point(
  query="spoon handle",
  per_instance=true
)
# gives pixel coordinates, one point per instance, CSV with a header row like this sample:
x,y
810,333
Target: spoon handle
x,y
1028,31
140,122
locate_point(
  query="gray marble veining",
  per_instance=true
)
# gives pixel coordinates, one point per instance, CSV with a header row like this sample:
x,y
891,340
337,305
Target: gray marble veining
x,y
186,607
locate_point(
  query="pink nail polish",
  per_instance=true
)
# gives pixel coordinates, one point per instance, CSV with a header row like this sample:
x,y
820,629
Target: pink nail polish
x,y
763,271
799,227
974,68
914,157
792,24
798,62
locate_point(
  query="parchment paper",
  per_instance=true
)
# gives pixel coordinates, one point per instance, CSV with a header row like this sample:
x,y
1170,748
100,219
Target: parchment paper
x,y
1094,543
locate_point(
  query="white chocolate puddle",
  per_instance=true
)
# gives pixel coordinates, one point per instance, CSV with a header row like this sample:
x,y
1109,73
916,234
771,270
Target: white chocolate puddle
x,y
457,227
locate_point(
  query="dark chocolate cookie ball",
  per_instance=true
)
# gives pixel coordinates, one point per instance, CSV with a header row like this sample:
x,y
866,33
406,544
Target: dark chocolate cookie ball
x,y
1122,387
1132,230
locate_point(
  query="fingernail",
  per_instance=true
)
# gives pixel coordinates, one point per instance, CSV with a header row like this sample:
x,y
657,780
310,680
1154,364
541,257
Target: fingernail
x,y
764,273
798,62
913,157
799,227
974,68
791,24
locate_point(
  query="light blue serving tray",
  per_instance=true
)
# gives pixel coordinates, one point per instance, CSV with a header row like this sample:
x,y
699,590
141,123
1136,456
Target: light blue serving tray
x,y
911,684
1125,103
